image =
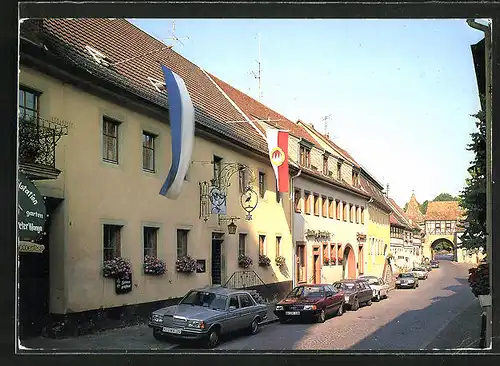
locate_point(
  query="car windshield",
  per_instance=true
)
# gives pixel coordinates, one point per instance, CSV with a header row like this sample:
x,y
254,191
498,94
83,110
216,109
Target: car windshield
x,y
372,280
406,275
345,285
307,292
205,299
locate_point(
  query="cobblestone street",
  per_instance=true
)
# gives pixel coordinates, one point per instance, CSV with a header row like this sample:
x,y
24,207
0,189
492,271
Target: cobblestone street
x,y
407,320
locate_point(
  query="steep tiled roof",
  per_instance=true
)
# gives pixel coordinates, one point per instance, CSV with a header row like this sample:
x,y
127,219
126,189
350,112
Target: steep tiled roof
x,y
258,111
399,215
444,210
344,154
375,193
413,210
119,40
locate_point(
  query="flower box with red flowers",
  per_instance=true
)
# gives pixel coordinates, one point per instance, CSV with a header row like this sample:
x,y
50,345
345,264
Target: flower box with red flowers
x,y
280,261
186,265
154,266
116,267
244,261
264,261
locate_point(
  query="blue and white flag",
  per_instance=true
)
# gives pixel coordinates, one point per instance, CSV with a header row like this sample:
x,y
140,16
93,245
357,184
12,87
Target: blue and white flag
x,y
181,112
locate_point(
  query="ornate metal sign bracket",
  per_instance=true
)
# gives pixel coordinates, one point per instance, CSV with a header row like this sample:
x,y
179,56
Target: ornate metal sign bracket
x,y
214,192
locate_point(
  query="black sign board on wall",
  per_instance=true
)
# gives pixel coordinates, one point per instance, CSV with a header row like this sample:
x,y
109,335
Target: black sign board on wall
x,y
31,210
123,284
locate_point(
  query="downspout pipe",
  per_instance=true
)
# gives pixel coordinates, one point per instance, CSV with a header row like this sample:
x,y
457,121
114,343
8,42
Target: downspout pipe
x,y
487,48
292,219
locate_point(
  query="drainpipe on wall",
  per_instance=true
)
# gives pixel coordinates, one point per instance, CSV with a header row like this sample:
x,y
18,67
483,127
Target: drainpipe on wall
x,y
292,216
487,48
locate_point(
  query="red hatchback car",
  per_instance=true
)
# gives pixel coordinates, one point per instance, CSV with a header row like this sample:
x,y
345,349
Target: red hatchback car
x,y
311,302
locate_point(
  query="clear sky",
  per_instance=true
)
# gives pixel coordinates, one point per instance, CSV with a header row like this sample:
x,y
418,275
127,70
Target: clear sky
x,y
400,92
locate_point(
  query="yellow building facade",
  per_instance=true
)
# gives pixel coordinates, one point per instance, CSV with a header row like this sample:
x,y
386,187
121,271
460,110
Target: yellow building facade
x,y
99,194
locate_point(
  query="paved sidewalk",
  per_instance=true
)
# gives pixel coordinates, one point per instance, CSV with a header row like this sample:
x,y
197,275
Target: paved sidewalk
x,y
463,331
137,337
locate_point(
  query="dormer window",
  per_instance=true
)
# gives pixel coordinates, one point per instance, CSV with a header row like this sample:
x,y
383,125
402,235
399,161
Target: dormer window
x,y
325,164
99,57
355,178
305,156
157,84
339,170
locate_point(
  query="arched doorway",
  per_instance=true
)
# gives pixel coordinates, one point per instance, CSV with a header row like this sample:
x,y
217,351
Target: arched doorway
x,y
349,263
442,246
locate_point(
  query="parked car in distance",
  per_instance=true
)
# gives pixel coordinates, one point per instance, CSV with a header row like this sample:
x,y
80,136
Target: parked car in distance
x,y
420,272
206,314
311,302
434,263
406,280
427,266
357,292
378,285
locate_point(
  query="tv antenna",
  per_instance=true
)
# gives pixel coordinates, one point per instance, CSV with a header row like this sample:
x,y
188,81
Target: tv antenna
x,y
257,75
172,38
325,122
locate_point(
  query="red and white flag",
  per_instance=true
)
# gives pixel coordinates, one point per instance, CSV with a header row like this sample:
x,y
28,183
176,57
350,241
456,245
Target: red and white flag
x,y
277,141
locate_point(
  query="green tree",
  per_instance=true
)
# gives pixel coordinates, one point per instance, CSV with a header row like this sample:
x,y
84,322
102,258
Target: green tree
x,y
423,207
445,197
473,197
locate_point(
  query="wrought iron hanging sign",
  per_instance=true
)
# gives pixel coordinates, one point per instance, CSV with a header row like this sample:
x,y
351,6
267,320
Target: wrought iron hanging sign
x,y
213,193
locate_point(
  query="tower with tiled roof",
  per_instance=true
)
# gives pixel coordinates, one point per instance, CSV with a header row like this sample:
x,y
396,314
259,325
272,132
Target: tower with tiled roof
x,y
413,210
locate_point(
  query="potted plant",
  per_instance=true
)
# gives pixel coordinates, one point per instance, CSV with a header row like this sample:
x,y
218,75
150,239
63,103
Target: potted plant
x,y
479,283
154,266
326,260
333,261
280,261
264,260
244,261
116,267
186,264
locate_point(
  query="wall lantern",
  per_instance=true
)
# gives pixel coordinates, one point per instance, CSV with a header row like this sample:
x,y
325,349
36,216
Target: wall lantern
x,y
231,228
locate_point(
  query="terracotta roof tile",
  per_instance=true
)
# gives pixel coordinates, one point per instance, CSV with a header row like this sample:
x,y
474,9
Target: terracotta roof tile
x,y
444,210
120,40
375,193
258,111
399,214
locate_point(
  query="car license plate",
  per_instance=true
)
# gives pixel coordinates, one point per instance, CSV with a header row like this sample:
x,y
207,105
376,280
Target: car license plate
x,y
292,313
172,330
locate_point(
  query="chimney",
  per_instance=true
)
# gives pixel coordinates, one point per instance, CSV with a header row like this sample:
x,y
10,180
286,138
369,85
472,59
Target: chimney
x,y
327,135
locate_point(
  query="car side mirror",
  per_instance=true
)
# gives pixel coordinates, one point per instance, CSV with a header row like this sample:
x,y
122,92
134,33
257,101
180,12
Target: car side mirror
x,y
232,308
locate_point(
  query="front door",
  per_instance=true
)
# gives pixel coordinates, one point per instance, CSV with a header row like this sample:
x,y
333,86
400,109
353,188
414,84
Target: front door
x,y
216,260
317,269
300,269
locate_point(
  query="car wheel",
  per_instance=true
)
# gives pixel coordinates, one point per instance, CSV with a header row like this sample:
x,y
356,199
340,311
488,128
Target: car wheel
x,y
340,310
321,316
369,303
355,305
213,338
254,327
379,297
158,335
